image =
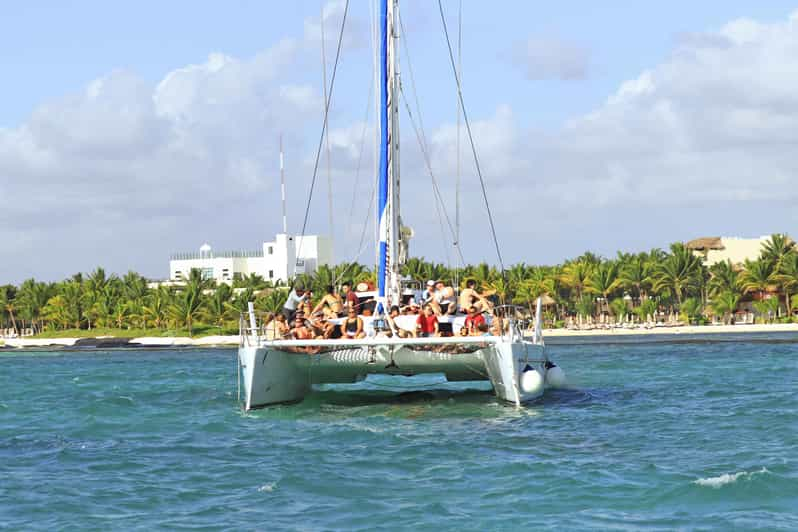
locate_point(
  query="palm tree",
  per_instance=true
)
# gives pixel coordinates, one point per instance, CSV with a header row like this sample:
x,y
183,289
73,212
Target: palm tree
x,y
619,307
72,294
691,309
603,280
634,275
272,302
55,311
787,277
723,278
575,275
188,301
585,306
529,290
8,305
239,304
253,281
155,308
756,277
776,249
646,309
724,304
680,272
216,309
31,299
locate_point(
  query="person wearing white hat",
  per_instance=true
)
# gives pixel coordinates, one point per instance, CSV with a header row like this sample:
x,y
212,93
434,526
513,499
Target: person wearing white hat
x,y
429,293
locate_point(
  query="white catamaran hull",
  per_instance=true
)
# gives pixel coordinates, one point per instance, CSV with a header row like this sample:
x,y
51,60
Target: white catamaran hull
x,y
275,374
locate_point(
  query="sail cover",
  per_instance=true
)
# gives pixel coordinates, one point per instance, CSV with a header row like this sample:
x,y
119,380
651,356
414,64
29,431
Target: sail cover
x,y
385,178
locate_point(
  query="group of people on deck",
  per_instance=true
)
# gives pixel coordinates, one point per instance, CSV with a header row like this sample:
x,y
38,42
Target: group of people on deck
x,y
338,315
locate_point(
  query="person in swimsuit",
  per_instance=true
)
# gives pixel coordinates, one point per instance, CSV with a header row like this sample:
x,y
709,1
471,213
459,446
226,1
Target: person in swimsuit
x,y
281,327
401,333
331,303
352,326
470,297
444,301
301,331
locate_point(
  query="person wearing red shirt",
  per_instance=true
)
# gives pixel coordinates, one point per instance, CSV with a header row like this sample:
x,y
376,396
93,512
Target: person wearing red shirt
x,y
427,323
350,297
473,320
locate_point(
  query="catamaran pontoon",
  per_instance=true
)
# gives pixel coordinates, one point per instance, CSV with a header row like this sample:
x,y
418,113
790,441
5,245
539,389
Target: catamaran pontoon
x,y
281,371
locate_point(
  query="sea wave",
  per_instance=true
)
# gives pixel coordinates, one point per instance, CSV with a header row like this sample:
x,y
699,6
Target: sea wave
x,y
728,478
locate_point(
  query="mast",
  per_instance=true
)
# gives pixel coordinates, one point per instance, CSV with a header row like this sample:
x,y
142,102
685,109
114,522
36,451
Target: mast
x,y
388,179
327,141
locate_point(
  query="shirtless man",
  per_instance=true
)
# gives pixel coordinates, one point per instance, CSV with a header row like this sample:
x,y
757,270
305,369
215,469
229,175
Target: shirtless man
x,y
402,333
444,301
470,297
301,331
333,303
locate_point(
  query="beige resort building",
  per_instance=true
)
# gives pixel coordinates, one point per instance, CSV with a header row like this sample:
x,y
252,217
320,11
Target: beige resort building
x,y
720,249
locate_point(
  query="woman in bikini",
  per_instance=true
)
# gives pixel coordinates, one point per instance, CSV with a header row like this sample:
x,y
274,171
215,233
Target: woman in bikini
x,y
331,303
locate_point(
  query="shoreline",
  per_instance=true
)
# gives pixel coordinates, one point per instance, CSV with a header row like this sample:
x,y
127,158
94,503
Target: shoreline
x,y
221,341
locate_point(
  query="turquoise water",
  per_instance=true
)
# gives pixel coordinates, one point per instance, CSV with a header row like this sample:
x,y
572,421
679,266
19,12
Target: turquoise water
x,y
649,436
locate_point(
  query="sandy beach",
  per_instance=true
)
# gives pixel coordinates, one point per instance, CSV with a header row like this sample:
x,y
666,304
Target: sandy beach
x,y
681,329
232,341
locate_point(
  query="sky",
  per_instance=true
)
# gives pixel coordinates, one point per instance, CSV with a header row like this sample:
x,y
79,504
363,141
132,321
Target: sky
x,y
130,132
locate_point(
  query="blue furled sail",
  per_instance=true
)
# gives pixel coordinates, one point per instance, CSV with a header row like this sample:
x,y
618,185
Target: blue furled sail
x,y
386,153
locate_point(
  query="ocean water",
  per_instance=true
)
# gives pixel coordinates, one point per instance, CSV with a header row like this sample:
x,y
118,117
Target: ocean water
x,y
649,435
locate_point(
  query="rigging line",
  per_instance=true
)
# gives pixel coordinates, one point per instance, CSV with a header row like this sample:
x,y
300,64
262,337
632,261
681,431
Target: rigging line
x,y
423,140
360,155
471,138
422,136
361,245
428,164
443,232
327,142
323,128
412,78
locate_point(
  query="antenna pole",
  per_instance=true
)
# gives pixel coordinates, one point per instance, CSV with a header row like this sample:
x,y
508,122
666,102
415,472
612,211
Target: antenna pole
x,y
282,186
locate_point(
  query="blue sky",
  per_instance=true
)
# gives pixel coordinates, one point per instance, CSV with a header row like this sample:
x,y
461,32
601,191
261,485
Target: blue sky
x,y
76,42
538,78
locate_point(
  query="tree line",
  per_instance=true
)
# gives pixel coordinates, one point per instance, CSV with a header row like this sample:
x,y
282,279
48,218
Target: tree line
x,y
588,286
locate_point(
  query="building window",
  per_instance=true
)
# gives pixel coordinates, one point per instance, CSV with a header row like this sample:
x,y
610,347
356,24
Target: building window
x,y
207,273
271,274
178,275
271,250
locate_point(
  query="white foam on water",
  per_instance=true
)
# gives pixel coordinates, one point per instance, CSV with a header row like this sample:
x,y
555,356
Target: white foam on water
x,y
727,478
268,487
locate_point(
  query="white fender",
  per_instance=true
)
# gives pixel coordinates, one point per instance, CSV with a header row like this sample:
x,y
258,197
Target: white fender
x,y
531,381
555,377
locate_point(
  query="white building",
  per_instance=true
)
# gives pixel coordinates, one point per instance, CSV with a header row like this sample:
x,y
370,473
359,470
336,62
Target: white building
x,y
279,260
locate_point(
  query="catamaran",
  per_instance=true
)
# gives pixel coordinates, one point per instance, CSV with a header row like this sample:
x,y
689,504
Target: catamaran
x,y
276,371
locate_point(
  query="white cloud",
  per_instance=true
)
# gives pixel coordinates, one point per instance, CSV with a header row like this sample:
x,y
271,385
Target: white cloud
x,y
124,171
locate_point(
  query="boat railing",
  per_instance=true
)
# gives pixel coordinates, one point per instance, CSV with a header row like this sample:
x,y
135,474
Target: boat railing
x,y
249,332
